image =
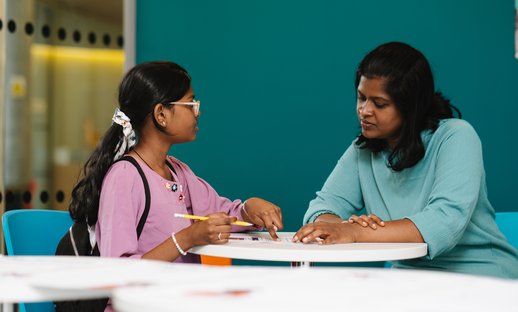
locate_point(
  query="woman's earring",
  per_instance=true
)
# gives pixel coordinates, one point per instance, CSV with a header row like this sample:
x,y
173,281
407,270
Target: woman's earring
x,y
163,124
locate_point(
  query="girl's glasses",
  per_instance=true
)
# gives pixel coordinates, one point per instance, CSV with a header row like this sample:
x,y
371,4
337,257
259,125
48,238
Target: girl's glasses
x,y
195,106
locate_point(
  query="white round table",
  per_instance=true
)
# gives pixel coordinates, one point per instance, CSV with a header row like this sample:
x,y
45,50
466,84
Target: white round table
x,y
256,289
50,278
284,250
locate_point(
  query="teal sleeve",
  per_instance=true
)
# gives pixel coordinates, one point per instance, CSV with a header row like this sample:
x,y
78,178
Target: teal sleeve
x,y
341,193
458,177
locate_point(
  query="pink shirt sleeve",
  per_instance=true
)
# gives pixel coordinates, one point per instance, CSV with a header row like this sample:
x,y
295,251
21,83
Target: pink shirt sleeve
x,y
205,200
120,207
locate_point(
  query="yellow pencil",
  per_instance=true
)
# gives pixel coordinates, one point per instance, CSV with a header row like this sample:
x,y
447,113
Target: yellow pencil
x,y
186,216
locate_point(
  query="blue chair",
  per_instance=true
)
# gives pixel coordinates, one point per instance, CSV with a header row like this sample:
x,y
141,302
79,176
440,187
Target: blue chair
x,y
508,224
34,232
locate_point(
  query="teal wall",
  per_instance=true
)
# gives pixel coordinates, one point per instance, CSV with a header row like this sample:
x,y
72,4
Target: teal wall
x,y
276,82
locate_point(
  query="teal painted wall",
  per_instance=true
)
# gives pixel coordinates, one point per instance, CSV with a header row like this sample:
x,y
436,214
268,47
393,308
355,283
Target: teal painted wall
x,y
276,82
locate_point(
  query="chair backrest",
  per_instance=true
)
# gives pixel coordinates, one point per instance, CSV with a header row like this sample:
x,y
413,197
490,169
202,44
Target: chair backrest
x,y
508,224
34,231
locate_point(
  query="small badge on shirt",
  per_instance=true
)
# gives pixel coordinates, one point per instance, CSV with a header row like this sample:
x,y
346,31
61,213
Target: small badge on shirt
x,y
174,187
181,197
171,187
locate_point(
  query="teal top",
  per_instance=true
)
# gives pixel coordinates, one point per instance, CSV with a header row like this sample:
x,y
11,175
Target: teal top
x,y
444,195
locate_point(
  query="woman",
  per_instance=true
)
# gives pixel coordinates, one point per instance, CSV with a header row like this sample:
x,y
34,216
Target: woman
x,y
415,166
157,110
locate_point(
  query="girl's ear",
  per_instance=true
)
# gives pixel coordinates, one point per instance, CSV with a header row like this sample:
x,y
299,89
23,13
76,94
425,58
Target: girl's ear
x,y
160,114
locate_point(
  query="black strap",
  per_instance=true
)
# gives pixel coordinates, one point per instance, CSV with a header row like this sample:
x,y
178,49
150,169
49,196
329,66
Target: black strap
x,y
143,218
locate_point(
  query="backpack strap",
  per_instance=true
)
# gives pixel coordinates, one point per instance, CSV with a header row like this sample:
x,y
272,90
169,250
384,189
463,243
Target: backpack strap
x,y
143,218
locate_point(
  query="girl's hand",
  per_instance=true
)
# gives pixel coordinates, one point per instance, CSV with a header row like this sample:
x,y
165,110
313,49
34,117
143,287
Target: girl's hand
x,y
214,230
371,220
325,233
263,213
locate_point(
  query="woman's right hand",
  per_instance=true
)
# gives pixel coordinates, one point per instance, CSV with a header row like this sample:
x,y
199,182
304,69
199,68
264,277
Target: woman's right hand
x,y
214,230
371,220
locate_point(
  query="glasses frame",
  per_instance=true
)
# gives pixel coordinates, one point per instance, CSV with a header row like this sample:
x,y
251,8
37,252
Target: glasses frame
x,y
195,105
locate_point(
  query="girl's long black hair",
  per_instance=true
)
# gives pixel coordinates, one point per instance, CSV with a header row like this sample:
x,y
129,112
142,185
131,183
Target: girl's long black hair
x,y
143,87
410,84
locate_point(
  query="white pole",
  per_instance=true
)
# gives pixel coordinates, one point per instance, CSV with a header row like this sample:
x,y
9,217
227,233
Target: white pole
x,y
129,31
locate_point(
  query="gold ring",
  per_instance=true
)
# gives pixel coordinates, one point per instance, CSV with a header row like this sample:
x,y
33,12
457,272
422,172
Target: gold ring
x,y
219,236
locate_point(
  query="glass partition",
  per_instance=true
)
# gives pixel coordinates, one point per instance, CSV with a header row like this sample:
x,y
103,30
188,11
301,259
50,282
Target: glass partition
x,y
61,62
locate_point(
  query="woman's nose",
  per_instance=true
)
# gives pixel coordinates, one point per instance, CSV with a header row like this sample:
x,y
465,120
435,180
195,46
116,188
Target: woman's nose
x,y
364,108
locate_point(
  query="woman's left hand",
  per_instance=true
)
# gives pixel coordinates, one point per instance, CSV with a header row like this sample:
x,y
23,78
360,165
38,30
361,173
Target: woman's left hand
x,y
263,213
371,220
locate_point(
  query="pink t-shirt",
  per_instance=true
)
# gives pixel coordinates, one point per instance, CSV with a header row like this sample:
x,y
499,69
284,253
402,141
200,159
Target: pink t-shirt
x,y
123,199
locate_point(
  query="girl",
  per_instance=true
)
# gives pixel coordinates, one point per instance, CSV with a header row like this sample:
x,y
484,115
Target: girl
x,y
157,110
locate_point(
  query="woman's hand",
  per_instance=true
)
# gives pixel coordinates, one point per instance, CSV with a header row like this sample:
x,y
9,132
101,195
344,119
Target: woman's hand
x,y
371,220
325,233
214,230
263,213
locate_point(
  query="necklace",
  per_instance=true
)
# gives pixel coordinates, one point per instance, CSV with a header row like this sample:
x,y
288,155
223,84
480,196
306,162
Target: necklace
x,y
172,178
142,159
171,187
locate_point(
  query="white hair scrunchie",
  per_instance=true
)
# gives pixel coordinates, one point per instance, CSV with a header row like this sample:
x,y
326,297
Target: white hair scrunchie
x,y
129,138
